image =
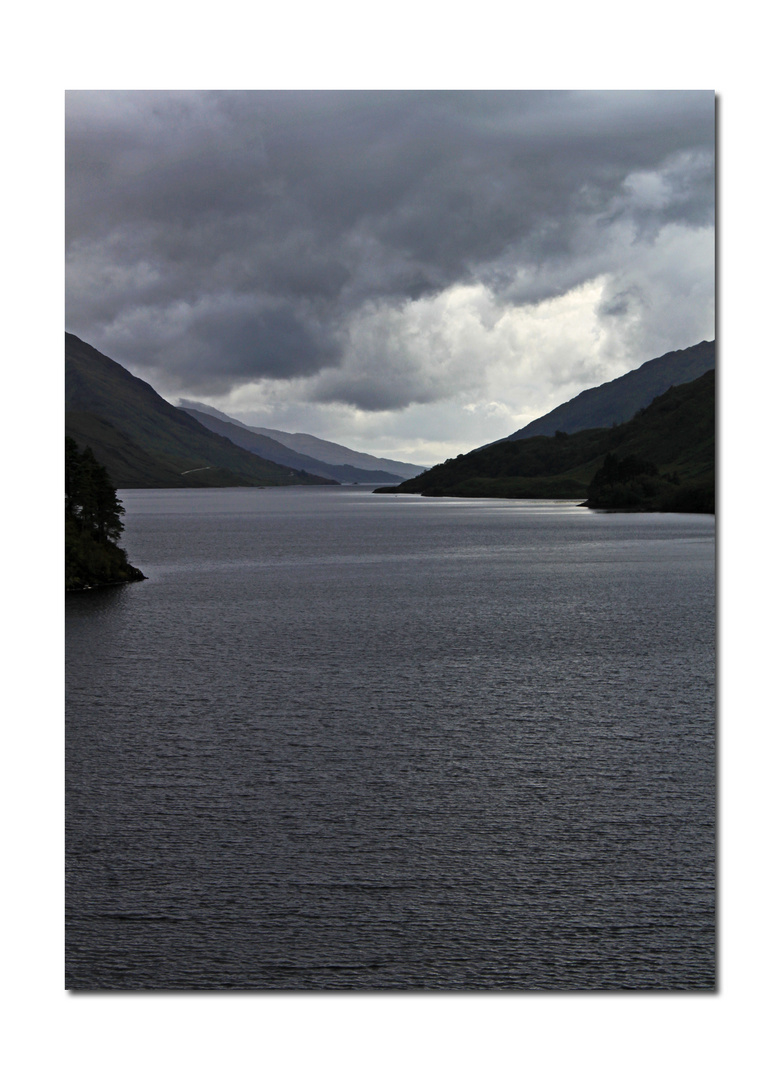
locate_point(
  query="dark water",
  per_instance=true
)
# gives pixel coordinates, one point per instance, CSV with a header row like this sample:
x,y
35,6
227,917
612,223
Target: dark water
x,y
348,741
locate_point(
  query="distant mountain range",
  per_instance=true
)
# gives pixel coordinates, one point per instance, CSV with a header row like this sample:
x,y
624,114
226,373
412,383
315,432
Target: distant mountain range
x,y
662,459
334,454
144,441
301,451
617,401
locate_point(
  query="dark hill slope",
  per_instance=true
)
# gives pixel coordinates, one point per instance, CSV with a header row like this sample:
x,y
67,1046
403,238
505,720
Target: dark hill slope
x,y
127,464
144,441
675,433
617,401
272,450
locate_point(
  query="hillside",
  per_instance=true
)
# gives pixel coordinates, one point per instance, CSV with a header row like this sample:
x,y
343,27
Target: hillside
x,y
322,451
144,441
673,439
335,454
617,401
271,450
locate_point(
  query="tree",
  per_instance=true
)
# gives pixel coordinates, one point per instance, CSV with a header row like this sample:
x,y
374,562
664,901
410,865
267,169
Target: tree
x,y
92,523
625,483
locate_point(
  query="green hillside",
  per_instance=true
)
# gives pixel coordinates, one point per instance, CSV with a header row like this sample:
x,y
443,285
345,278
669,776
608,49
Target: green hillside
x,y
673,439
144,441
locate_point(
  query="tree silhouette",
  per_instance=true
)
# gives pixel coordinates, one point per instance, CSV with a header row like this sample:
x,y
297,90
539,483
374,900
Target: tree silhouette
x,y
92,523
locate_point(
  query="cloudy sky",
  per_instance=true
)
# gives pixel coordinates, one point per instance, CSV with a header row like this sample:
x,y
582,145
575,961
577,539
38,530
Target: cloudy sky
x,y
410,273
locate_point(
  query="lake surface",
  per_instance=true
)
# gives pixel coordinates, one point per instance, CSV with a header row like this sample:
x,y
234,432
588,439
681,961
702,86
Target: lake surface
x,y
344,741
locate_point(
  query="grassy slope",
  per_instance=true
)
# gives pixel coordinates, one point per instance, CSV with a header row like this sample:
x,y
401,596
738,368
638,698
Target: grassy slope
x,y
127,464
153,443
676,432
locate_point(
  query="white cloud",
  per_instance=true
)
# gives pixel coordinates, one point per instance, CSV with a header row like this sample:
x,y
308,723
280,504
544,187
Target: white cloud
x,y
435,377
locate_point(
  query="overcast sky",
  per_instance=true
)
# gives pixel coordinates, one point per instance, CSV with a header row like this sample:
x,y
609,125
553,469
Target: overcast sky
x,y
410,273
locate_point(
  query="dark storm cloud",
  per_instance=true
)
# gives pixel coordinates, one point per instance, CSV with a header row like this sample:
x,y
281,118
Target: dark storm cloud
x,y
227,236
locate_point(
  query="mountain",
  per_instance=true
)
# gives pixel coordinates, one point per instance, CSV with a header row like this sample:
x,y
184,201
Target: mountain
x,y
144,441
334,454
662,459
319,449
617,401
268,448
